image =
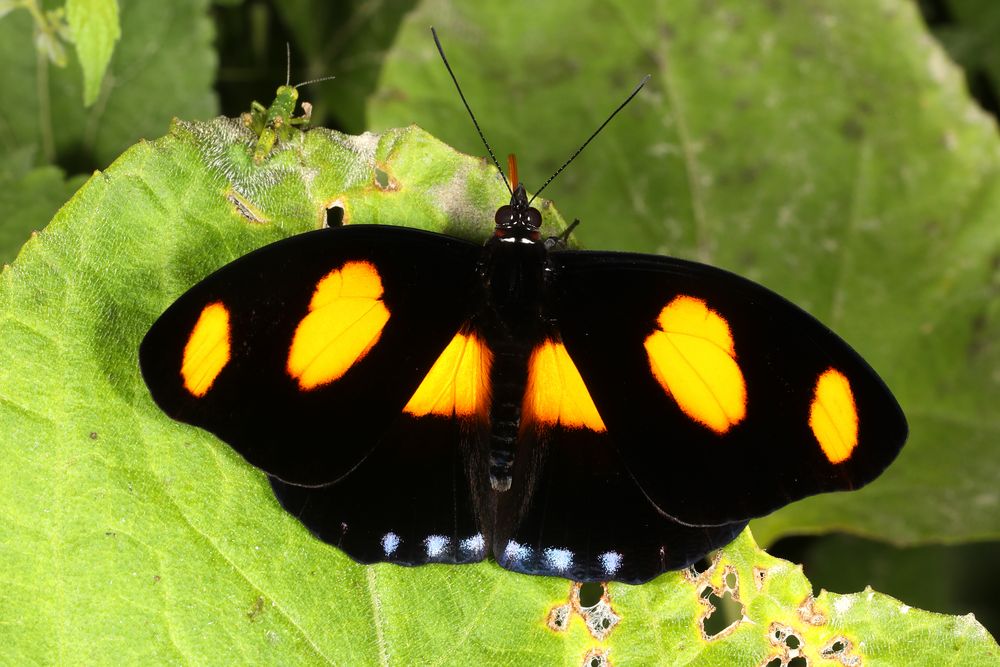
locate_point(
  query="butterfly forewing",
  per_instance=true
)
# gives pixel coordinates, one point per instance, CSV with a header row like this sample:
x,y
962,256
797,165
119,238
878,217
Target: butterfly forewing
x,y
705,377
301,355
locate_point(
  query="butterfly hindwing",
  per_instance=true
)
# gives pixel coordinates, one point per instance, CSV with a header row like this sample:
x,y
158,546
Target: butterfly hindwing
x,y
705,377
302,354
575,511
408,502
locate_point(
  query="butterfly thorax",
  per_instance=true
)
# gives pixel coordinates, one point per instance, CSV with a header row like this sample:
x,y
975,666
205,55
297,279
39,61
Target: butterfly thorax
x,y
512,270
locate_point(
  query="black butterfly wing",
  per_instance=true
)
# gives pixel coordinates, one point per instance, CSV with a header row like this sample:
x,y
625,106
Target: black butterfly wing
x,y
381,303
408,502
574,510
712,386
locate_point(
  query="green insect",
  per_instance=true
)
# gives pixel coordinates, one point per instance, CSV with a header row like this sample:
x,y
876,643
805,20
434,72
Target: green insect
x,y
277,121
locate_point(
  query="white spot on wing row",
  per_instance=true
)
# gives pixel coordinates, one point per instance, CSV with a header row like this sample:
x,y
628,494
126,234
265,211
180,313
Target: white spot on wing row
x,y
516,552
611,562
436,545
475,544
390,542
559,560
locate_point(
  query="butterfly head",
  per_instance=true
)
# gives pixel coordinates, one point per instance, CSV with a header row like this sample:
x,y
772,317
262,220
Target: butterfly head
x,y
518,220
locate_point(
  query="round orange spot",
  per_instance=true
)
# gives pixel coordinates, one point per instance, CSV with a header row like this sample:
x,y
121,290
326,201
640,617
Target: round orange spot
x,y
692,356
833,416
207,350
345,320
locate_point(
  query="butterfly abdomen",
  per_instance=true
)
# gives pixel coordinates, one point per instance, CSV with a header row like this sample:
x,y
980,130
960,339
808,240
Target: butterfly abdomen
x,y
509,376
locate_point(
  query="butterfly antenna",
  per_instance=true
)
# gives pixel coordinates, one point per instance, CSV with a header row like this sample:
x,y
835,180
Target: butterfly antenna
x,y
306,83
288,63
469,109
590,138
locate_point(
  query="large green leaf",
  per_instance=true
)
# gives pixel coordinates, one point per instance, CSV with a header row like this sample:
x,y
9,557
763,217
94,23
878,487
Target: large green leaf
x,y
827,150
130,538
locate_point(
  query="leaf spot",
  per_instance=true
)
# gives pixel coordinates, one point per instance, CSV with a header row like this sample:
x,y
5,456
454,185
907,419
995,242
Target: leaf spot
x,y
596,658
244,208
592,603
256,609
559,617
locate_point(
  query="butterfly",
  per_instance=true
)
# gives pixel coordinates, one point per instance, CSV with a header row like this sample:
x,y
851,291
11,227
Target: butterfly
x,y
601,416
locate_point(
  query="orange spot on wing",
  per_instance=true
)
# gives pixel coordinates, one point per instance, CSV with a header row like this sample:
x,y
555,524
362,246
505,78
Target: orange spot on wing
x,y
555,393
833,416
458,383
692,356
345,320
207,350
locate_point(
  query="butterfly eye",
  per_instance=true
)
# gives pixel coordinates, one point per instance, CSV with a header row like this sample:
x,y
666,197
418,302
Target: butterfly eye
x,y
504,216
534,218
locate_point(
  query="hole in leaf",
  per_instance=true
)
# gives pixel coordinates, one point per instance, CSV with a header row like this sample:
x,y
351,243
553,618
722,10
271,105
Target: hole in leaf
x,y
836,648
381,178
732,580
798,661
334,215
792,642
727,611
759,576
776,662
590,594
595,658
701,565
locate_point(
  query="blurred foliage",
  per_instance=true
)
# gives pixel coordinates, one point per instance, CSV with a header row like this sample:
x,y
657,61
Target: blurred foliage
x,y
190,59
970,30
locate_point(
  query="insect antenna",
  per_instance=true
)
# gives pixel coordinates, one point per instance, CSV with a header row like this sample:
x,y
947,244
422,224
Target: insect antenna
x,y
469,109
590,138
288,70
306,83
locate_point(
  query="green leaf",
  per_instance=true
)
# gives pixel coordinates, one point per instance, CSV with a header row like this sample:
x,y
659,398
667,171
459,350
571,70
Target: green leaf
x,y
131,538
95,29
162,67
827,150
